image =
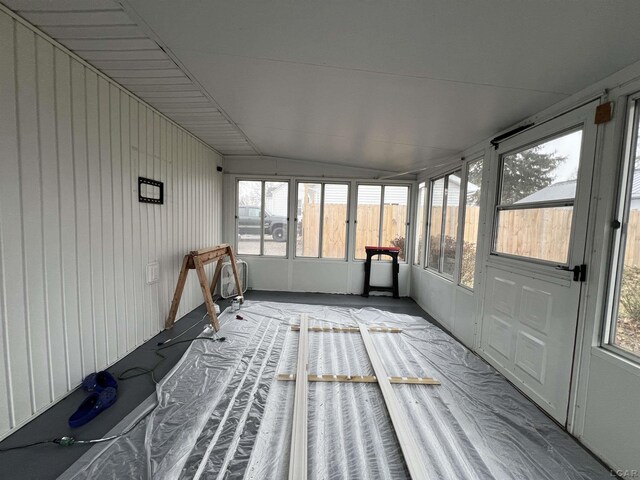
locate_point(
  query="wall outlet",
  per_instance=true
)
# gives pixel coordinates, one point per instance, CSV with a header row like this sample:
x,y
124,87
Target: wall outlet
x,y
153,273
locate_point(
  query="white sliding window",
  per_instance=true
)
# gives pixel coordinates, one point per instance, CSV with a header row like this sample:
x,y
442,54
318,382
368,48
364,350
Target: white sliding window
x,y
622,331
443,223
471,215
418,253
534,214
321,220
381,218
262,218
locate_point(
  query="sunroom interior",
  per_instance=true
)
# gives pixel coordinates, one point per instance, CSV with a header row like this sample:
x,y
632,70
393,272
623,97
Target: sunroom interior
x,y
415,228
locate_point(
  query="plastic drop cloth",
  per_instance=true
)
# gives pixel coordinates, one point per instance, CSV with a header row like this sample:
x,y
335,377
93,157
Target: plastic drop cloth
x,y
222,414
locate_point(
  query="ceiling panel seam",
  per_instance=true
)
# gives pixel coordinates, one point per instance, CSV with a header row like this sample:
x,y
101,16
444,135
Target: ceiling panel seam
x,y
381,72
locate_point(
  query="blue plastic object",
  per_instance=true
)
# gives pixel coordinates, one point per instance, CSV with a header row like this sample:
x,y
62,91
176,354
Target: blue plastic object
x,y
92,406
96,382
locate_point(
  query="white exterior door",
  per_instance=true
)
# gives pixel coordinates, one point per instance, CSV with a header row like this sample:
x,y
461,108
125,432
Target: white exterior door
x,y
534,272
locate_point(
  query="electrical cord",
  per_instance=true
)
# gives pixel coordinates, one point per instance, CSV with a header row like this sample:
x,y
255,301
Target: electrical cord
x,y
188,329
27,446
69,441
128,373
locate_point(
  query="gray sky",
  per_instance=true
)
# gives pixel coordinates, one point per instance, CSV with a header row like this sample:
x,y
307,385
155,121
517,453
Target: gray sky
x,y
567,146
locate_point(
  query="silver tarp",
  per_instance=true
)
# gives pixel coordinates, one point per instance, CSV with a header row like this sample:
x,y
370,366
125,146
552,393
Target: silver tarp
x,y
222,414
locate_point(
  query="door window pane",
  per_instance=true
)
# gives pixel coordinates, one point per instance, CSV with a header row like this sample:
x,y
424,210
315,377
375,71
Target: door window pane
x,y
276,201
368,218
308,230
538,188
471,222
546,172
334,230
394,218
451,224
419,239
535,232
435,224
625,328
249,203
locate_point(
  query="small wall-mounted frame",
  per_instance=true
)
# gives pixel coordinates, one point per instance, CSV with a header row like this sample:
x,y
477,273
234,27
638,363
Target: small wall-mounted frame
x,y
150,191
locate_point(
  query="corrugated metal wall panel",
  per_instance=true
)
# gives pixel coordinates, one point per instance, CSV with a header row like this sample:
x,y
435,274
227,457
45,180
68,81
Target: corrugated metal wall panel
x,y
74,240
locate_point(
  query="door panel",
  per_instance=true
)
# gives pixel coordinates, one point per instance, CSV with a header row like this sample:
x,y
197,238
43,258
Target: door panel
x,y
526,335
530,307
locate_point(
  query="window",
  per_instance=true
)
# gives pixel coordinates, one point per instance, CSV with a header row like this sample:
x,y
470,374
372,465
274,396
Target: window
x,y
262,218
473,180
418,253
381,217
624,326
535,202
322,220
450,223
443,223
435,223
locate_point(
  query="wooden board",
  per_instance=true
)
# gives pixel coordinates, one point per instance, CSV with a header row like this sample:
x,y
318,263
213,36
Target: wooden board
x,y
206,293
360,379
374,329
175,303
298,455
412,454
208,255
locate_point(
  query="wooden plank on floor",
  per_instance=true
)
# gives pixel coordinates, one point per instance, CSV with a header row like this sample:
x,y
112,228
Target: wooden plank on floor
x,y
414,380
360,379
374,329
298,452
412,454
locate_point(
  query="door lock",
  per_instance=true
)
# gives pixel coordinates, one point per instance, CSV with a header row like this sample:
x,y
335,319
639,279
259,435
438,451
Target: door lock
x,y
579,272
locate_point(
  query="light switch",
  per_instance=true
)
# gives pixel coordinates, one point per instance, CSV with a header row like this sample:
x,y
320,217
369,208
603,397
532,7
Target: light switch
x,y
153,273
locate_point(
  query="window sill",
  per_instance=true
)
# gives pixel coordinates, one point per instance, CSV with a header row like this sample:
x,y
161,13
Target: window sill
x,y
443,276
610,355
362,260
320,259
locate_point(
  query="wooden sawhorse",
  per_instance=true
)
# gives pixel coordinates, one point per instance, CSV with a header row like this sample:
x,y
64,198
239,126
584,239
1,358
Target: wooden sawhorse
x,y
196,260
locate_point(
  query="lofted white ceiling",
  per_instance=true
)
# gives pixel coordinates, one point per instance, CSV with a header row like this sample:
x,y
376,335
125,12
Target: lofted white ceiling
x,y
380,84
391,85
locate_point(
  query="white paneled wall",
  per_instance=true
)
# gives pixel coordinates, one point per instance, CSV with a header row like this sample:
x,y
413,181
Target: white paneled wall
x,y
74,241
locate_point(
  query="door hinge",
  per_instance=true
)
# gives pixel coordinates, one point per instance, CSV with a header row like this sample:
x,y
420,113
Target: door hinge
x,y
579,272
604,113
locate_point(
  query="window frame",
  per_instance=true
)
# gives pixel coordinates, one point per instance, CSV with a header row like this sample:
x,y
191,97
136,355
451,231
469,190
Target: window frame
x,y
421,261
443,221
432,181
321,227
463,217
534,205
263,182
408,222
617,251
